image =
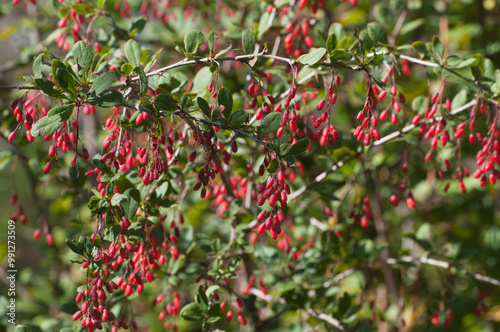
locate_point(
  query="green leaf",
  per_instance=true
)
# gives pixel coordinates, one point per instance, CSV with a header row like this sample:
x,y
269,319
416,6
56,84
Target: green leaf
x,y
271,123
273,166
133,52
83,54
57,64
75,246
204,107
459,99
117,199
202,299
237,118
82,9
96,161
113,98
331,43
66,81
102,82
420,48
137,26
225,98
300,146
438,48
345,43
63,112
340,56
69,308
37,65
193,40
127,69
312,57
46,126
248,40
211,40
264,25
191,312
23,328
143,80
113,233
166,102
377,32
132,203
48,87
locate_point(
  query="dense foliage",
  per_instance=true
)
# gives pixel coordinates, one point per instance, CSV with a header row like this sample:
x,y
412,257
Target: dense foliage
x,y
253,165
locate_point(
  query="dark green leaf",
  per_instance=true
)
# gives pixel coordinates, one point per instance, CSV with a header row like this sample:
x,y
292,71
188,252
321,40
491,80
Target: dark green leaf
x,y
75,246
225,98
166,102
300,146
102,82
201,299
377,32
312,57
191,312
133,52
143,80
237,118
48,87
63,112
113,233
248,40
69,308
331,43
273,166
271,123
96,161
113,98
204,107
46,126
193,40
131,205
137,26
23,328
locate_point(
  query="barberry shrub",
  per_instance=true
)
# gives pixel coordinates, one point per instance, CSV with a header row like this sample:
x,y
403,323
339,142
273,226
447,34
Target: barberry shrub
x,y
254,165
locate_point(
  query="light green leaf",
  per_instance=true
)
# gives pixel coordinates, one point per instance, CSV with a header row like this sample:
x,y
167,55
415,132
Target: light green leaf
x,y
83,54
193,40
459,100
133,52
312,57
